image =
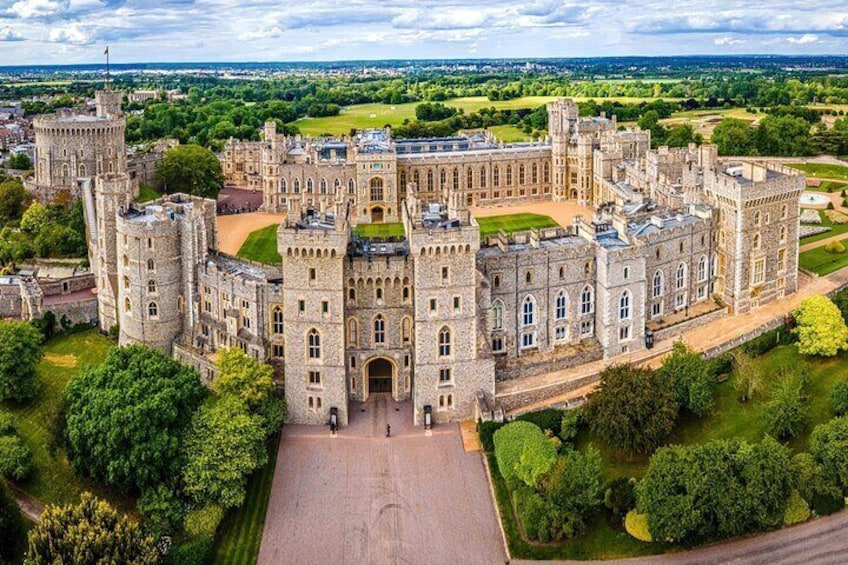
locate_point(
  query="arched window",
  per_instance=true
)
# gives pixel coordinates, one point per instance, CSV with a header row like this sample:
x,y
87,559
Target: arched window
x,y
561,305
782,234
126,260
546,177
450,401
702,268
482,177
681,276
379,329
127,305
322,186
351,294
82,170
429,180
756,241
444,342
534,173
416,179
624,306
587,300
283,185
658,286
521,174
151,287
528,311
455,178
442,179
376,189
309,186
351,187
153,310
469,178
151,266
297,186
756,218
126,282
278,320
313,344
337,185
497,315
406,330
784,212
509,175
496,177
352,333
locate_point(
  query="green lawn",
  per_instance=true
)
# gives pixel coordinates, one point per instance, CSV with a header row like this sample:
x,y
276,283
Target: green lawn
x,y
822,262
822,170
381,231
835,229
146,193
261,246
240,533
828,186
53,480
509,134
514,222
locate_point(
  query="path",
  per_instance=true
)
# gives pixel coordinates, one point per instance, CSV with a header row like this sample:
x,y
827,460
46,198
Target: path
x,y
30,507
820,542
233,229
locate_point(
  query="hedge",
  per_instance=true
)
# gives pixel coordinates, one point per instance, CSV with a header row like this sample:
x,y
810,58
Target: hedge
x,y
637,526
547,419
487,431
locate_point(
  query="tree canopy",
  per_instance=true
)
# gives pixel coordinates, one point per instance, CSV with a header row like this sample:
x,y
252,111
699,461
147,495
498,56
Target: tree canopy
x,y
20,352
693,381
829,448
244,377
820,327
523,452
191,169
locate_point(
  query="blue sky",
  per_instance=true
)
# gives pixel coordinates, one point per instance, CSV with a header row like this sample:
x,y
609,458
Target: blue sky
x,y
76,31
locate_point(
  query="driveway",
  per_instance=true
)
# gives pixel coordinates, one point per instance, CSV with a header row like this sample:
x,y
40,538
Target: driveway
x,y
361,497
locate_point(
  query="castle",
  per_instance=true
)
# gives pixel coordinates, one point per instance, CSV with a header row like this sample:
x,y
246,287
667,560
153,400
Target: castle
x,y
439,315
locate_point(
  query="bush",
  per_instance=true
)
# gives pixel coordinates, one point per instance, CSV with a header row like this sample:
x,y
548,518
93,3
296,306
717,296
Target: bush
x,y
835,247
820,327
7,424
570,426
785,413
830,205
197,551
826,503
797,510
829,448
203,521
487,431
15,458
532,512
766,342
547,419
721,365
620,498
523,452
839,398
20,352
637,526
163,511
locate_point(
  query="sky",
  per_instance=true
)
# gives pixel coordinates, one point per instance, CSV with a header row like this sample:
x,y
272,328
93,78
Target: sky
x,y
77,31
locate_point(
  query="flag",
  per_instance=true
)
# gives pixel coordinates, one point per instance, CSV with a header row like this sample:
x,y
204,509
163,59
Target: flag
x,y
107,50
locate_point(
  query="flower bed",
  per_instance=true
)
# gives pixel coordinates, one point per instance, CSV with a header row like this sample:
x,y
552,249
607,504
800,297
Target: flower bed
x,y
807,231
810,217
836,217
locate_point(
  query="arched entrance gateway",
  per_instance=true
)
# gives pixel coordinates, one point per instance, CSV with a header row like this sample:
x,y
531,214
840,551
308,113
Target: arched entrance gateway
x,y
377,214
380,372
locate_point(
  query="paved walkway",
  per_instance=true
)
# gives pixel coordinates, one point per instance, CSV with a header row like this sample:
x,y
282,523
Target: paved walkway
x,y
30,507
363,498
821,542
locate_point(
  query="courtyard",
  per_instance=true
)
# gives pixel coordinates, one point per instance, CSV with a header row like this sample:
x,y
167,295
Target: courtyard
x,y
562,213
360,497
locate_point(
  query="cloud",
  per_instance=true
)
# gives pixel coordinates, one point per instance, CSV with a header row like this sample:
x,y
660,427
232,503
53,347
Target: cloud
x,y
37,8
72,33
8,34
450,18
728,41
806,39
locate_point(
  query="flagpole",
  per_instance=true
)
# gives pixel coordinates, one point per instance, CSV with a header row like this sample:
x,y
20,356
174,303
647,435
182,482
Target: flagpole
x,y
107,68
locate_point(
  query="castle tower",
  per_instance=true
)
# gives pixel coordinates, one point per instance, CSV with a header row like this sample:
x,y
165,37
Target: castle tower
x,y
313,251
108,103
376,178
272,201
562,115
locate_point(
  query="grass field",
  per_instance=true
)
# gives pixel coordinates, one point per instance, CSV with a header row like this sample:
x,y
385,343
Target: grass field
x,y
53,479
514,222
379,231
820,261
509,134
240,533
828,186
729,418
146,193
261,246
823,170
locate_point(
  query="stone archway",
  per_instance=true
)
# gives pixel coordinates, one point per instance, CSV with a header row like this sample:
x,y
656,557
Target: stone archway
x,y
377,215
381,376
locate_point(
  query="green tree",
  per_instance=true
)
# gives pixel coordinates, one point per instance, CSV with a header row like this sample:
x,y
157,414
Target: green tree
x,y
36,217
19,162
11,527
829,448
20,352
162,509
650,120
253,382
191,169
523,452
820,327
15,458
691,376
733,137
682,135
126,417
748,376
88,533
785,413
14,199
810,479
633,409
224,445
572,490
839,398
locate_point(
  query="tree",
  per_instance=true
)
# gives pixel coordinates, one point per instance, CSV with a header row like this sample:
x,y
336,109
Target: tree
x,y
572,490
11,526
191,169
19,162
810,479
126,417
633,409
36,217
785,413
839,398
244,377
691,376
224,445
15,458
820,327
162,509
829,448
14,199
650,120
20,352
523,452
733,137
748,375
90,532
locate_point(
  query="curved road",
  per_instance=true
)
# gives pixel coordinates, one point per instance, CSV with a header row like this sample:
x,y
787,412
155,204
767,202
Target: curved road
x,y
823,541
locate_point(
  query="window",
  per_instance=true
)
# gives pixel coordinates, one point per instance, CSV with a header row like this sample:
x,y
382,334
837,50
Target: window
x,y
586,328
379,294
528,311
784,212
376,189
528,339
352,333
679,301
351,187
351,294
509,175
624,333
587,300
405,293
445,273
433,305
497,344
587,268
482,177
325,307
756,241
282,185
455,178
759,272
127,305
313,344
314,379
681,276
429,180
151,287
277,322
444,376
656,309
781,259
657,287
561,305
782,234
444,342
547,173
757,218
497,315
406,330
312,274
469,178
150,265
309,186
624,306
457,304
528,276
296,186
150,243
496,177
561,333
322,186
126,283
278,350
379,330
521,174
562,272
702,269
496,281
301,306
626,273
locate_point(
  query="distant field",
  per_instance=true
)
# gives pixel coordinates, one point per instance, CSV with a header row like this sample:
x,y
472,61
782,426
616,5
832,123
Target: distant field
x,y
381,231
261,246
364,116
705,120
514,222
509,134
822,170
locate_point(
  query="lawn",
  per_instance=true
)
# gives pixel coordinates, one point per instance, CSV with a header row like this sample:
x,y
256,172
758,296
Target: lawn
x,y
822,262
380,231
509,134
728,419
53,479
823,170
835,229
240,534
146,193
514,222
828,186
261,246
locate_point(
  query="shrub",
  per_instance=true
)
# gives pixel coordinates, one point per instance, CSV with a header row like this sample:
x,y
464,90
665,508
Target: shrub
x,y
797,510
637,526
830,205
196,551
835,247
163,511
829,448
15,458
203,521
486,431
523,452
766,342
620,497
547,419
826,503
721,365
570,425
7,424
573,489
20,352
532,512
839,398
785,413
820,327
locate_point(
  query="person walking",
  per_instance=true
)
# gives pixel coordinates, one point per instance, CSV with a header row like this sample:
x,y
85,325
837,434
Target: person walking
x,y
388,430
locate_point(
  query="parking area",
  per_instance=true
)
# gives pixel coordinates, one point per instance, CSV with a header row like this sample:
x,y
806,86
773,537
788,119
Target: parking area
x,y
362,497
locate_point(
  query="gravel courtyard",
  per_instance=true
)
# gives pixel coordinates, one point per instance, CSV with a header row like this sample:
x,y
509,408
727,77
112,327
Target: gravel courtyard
x,y
364,498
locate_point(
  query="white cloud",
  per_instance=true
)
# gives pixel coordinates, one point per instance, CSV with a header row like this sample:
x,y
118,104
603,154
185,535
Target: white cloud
x,y
37,8
728,41
72,33
806,39
8,34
